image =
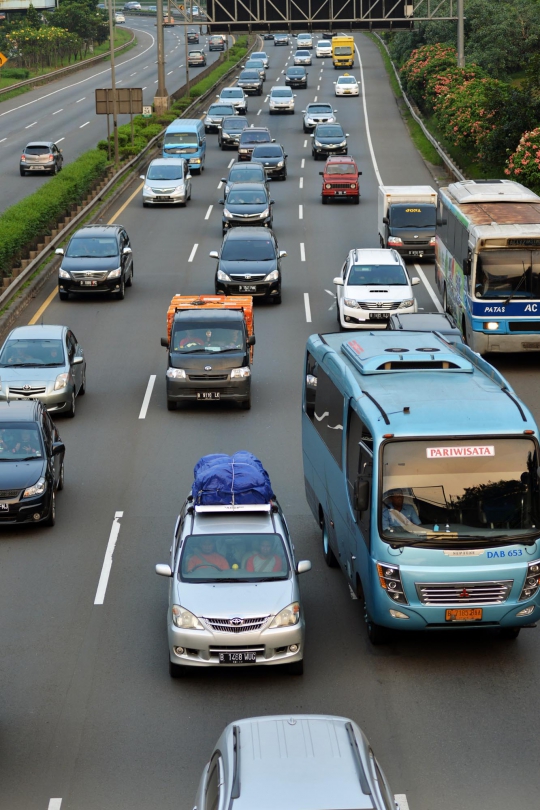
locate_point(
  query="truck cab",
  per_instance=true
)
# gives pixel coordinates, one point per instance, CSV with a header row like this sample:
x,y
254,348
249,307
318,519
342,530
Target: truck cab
x,y
407,220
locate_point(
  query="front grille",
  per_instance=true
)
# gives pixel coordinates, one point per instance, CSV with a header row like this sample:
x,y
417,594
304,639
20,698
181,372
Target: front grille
x,y
378,306
98,275
464,593
8,494
192,392
208,377
258,648
245,279
162,190
29,392
524,326
416,243
340,185
248,216
226,625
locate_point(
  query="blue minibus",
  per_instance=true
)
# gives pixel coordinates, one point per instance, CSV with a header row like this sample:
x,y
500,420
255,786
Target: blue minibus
x,y
421,469
186,138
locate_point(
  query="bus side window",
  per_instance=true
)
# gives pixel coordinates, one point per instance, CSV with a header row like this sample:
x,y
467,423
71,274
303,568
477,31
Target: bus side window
x,y
311,384
359,455
324,406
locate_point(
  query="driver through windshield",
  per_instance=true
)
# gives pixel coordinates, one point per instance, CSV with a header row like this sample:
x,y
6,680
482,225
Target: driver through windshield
x,y
32,353
205,338
96,247
233,558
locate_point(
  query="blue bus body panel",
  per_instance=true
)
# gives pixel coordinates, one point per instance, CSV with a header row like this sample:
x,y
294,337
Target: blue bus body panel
x,y
194,127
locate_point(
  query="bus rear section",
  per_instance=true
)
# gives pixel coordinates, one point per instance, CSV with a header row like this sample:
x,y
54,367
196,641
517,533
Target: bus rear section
x,y
421,469
186,138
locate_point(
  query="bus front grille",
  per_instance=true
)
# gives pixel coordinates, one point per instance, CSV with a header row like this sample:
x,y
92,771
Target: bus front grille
x,y
464,593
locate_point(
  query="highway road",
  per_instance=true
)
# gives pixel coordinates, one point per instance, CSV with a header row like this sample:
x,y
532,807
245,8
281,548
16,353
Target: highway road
x,y
88,713
64,110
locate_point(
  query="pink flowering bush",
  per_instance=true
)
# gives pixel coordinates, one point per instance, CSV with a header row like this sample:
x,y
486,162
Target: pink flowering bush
x,y
464,113
423,64
447,80
524,164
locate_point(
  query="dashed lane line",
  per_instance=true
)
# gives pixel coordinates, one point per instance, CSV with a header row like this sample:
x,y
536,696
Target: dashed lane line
x,y
300,212
193,252
147,396
210,207
107,562
301,183
302,252
429,288
84,125
307,307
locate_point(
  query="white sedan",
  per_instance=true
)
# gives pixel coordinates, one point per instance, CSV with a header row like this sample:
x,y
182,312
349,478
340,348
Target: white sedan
x,y
324,48
347,85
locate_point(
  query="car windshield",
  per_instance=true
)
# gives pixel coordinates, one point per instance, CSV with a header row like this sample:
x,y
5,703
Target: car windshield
x,y
248,250
20,440
205,337
347,80
267,151
295,71
282,92
247,197
324,43
246,175
233,558
32,353
248,136
162,172
37,150
92,247
330,131
504,273
256,64
251,75
365,275
179,138
232,92
234,123
221,109
319,108
443,490
413,216
302,53
340,168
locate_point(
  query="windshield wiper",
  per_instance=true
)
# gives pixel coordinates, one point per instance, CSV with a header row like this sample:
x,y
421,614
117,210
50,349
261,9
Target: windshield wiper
x,y
28,458
21,365
452,539
525,270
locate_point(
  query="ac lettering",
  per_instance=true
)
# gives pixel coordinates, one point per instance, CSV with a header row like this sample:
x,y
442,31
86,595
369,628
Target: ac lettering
x,y
531,308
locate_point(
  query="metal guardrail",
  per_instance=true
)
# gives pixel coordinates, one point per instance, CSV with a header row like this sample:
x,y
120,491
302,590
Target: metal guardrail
x,y
57,74
449,163
49,249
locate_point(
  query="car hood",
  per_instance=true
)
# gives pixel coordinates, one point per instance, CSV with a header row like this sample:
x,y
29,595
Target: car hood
x,y
379,292
90,264
247,209
168,184
223,600
33,376
411,232
267,161
197,362
327,140
340,178
21,474
249,268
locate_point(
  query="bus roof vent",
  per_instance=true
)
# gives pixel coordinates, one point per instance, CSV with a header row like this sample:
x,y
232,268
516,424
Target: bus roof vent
x,y
472,191
404,351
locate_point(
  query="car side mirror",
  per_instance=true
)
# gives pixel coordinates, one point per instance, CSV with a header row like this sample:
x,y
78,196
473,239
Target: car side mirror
x,y
251,340
361,495
165,343
335,111
359,172
273,140
142,177
312,135
223,180
282,254
205,112
338,281
385,220
60,251
285,156
221,202
214,254
272,202
295,95
77,360
334,82
322,174
303,111
188,177
415,281
303,566
347,135
58,448
126,251
163,570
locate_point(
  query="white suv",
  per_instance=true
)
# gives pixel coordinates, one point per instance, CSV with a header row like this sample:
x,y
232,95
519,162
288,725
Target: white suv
x,y
373,285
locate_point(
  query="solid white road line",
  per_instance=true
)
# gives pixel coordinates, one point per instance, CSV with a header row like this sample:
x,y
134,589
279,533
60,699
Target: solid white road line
x,y
370,144
307,307
107,562
303,164
301,183
302,252
55,804
84,125
57,111
401,801
31,125
147,396
429,288
300,212
193,252
230,163
209,212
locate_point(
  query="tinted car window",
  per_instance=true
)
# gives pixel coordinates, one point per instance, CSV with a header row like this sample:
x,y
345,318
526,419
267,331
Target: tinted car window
x,y
32,352
165,173
250,74
20,440
330,131
295,71
232,92
267,151
279,92
246,175
92,247
377,274
248,250
220,109
199,337
247,197
234,123
254,137
37,150
319,108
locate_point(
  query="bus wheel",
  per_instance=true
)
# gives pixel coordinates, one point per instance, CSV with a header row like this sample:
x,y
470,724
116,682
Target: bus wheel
x,y
376,633
329,556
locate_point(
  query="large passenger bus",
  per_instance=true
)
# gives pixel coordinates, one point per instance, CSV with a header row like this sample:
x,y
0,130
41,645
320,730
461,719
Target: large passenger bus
x,y
421,469
488,263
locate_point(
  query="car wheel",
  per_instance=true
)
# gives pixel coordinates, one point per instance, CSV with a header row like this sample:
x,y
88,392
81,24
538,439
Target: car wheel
x,y
328,554
324,200
509,633
129,282
70,413
270,112
23,173
246,404
171,405
356,200
51,517
284,175
207,130
145,205
304,128
82,389
60,484
121,294
314,156
276,299
176,670
296,668
63,295
376,633
54,170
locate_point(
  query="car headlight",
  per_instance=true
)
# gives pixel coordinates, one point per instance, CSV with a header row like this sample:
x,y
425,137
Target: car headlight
x,y
243,151
194,160
176,374
63,274
395,240
286,617
115,273
390,581
227,214
273,276
280,164
179,189
61,381
317,143
353,185
185,619
209,120
350,302
343,143
409,302
147,189
265,213
38,489
242,372
221,276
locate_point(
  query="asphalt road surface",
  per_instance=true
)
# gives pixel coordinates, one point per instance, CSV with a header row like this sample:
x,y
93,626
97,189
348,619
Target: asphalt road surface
x,y
88,712
64,110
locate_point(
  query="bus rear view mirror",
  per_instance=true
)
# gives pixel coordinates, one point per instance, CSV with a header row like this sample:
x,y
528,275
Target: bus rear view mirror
x,y
441,221
361,495
466,267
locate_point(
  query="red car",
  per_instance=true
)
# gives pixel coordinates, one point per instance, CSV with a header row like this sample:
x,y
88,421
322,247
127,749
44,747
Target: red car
x,y
340,179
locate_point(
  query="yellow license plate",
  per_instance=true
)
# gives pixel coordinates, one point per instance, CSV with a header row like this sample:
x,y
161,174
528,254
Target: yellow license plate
x,y
464,615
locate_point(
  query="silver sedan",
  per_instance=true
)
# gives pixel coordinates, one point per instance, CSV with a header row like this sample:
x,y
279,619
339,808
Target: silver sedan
x,y
168,181
45,363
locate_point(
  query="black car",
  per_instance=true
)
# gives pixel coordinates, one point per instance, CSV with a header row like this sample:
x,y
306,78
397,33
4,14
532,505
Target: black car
x,y
329,139
268,35
192,36
98,258
249,263
251,82
34,469
250,138
244,173
273,158
296,76
247,204
230,131
281,39
427,322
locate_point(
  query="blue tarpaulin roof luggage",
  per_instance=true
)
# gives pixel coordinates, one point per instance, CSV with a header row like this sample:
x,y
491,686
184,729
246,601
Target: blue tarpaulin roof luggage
x,y
239,479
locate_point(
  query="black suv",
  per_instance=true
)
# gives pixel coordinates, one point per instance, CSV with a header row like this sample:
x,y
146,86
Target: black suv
x,y
247,204
230,131
251,82
33,470
296,76
250,138
98,258
328,139
272,156
249,263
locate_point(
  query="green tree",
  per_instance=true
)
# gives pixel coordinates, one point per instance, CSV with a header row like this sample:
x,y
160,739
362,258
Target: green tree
x,y
89,25
33,17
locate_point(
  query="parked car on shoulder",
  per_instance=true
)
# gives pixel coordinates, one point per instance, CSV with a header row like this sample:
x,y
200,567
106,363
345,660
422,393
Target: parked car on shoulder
x,y
340,179
41,157
98,259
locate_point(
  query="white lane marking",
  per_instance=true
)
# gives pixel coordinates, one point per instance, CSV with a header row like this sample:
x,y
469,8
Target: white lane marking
x,y
57,111
303,164
59,140
301,183
220,184
259,112
147,396
144,88
145,67
352,593
107,562
302,252
334,296
55,804
401,801
300,212
209,212
133,74
305,143
318,87
3,139
193,252
307,307
80,99
31,125
168,74
429,288
156,81
368,132
230,163
119,81
315,99
84,125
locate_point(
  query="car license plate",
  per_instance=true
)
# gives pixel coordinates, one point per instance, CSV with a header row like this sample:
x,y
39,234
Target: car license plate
x,y
208,395
89,283
247,288
238,658
163,199
339,193
464,615
378,316
416,252
4,507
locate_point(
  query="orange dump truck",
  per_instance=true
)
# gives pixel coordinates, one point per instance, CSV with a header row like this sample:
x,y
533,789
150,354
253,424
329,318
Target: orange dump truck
x,y
210,341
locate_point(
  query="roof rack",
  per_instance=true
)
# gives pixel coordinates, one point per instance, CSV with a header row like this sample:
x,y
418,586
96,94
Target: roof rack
x,y
364,784
233,507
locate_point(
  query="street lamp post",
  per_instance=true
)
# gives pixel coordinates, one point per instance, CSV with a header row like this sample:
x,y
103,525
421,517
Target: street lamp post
x,y
460,36
186,41
113,84
161,99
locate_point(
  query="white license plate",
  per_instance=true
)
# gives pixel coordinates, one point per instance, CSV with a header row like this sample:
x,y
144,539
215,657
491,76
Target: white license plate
x,y
89,283
163,199
247,288
378,316
4,507
238,658
208,395
416,253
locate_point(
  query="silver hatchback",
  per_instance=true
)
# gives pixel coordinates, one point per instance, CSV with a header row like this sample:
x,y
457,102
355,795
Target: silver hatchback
x,y
234,598
45,363
42,157
167,180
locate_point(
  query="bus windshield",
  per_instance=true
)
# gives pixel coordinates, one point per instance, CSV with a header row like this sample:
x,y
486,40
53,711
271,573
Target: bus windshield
x,y
480,489
503,273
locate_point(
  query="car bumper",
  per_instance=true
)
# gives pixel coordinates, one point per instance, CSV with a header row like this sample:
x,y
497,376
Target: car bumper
x,y
259,222
232,142
273,171
201,648
277,108
56,401
244,155
212,126
292,83
37,167
352,318
31,510
329,150
261,289
250,91
421,617
302,63
349,93
340,193
107,286
237,390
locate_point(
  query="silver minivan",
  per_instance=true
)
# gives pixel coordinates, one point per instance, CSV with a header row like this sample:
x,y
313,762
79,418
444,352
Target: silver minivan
x,y
234,598
295,761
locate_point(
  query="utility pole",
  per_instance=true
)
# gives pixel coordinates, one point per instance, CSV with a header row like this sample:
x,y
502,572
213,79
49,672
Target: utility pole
x,y
460,36
113,84
161,99
186,40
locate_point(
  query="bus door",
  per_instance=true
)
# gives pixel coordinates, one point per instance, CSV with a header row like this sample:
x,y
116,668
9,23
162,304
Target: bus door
x,y
359,472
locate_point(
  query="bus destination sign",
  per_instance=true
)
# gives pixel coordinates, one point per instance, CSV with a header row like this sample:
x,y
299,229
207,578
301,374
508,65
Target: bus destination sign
x,y
523,242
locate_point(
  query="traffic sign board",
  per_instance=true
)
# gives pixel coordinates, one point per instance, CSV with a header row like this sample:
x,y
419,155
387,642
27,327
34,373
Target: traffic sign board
x,y
147,112
3,59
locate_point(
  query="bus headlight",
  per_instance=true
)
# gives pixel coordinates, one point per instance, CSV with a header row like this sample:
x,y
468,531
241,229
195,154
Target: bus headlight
x,y
390,581
491,325
532,581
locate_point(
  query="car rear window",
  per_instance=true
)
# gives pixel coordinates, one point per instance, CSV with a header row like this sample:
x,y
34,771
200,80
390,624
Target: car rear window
x,y
248,136
37,150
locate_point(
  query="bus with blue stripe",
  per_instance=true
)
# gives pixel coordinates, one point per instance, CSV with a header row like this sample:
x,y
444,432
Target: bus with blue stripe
x,y
487,256
421,469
